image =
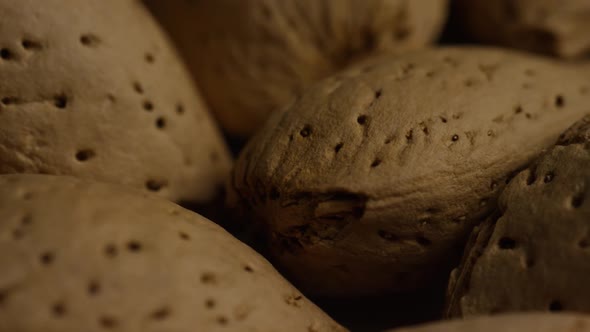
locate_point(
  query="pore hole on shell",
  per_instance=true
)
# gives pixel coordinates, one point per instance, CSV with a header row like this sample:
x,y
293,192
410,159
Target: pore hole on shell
x,y
110,250
209,303
161,313
47,258
85,155
58,310
155,185
138,87
518,109
27,220
410,136
184,236
306,131
60,101
455,138
93,288
107,322
469,83
555,306
506,243
208,278
149,58
17,234
161,123
248,268
29,44
362,119
134,246
376,163
148,106
529,72
338,147
402,33
222,320
577,200
378,93
6,54
89,40
179,109
559,101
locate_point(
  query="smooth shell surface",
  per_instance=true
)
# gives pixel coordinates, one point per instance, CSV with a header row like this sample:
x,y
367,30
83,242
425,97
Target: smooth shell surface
x,y
535,255
375,177
93,89
81,256
557,27
530,322
251,57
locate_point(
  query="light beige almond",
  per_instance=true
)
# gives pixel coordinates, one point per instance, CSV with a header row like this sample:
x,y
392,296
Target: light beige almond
x,y
93,89
82,256
374,178
252,56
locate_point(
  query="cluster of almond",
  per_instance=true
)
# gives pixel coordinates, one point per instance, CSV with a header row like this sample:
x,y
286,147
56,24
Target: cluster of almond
x,y
374,161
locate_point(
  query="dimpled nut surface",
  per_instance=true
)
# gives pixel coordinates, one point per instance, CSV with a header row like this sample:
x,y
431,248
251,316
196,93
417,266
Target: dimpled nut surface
x,y
375,177
251,57
81,256
93,89
534,257
558,27
531,322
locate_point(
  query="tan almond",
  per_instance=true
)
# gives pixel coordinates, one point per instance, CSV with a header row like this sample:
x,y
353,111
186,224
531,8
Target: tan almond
x,y
530,322
557,27
374,178
535,254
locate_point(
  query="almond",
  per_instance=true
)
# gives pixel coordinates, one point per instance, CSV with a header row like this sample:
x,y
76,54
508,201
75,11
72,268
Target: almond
x,y
547,26
94,89
373,179
534,255
251,57
83,256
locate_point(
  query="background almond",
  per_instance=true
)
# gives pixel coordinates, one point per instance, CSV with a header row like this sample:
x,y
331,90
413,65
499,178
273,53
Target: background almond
x,y
251,57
